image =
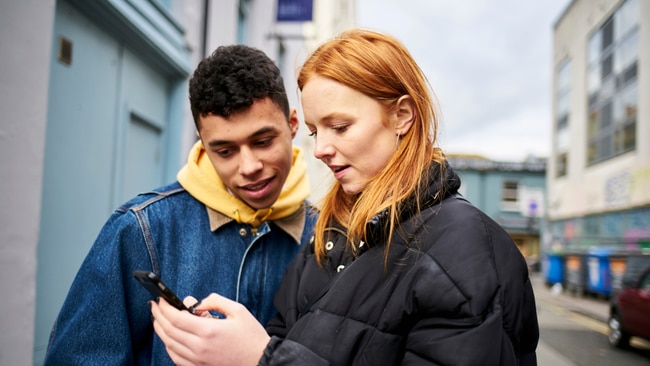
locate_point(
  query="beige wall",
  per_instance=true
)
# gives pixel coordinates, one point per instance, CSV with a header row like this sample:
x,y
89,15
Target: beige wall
x,y
23,101
619,183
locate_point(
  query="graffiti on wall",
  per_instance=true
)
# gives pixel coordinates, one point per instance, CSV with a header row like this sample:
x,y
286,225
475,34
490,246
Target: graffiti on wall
x,y
640,179
617,189
620,188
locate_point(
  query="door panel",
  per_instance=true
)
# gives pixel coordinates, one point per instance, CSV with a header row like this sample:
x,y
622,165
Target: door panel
x,y
107,124
78,167
142,162
145,94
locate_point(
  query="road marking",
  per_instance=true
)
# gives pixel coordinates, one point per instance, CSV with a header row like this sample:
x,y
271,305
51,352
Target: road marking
x,y
593,324
588,322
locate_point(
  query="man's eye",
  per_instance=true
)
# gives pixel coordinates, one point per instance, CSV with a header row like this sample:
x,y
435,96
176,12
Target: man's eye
x,y
265,142
224,153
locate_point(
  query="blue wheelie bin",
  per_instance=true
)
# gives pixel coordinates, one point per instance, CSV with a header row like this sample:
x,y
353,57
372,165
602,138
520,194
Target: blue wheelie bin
x,y
555,268
598,273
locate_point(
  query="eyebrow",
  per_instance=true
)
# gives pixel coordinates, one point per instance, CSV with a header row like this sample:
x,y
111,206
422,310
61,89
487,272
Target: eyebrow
x,y
258,133
332,117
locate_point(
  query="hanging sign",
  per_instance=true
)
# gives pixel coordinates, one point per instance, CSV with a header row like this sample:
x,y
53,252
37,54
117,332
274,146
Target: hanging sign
x,y
295,10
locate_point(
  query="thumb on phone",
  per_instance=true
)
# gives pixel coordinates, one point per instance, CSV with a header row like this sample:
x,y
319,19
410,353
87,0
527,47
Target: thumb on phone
x,y
218,303
190,301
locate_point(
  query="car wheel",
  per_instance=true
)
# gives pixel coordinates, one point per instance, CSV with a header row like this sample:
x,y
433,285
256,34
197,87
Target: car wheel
x,y
617,336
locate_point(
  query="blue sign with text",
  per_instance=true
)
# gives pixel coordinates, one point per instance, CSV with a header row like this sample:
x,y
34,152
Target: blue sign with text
x,y
295,10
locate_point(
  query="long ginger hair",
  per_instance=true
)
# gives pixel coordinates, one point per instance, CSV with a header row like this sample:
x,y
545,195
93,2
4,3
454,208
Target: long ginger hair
x,y
380,67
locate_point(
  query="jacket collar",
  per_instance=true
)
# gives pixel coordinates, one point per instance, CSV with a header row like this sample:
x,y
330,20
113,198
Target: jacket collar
x,y
292,224
442,182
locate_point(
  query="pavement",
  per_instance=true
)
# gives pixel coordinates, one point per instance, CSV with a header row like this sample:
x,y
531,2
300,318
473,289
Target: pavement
x,y
596,308
591,307
593,310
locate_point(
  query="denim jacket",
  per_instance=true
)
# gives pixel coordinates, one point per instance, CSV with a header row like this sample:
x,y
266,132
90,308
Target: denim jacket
x,y
106,320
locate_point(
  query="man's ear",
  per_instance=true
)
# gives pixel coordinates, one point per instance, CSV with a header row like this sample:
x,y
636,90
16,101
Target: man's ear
x,y
293,122
405,115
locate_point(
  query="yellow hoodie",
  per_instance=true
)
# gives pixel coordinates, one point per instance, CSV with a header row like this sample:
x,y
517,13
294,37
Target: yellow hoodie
x,y
200,179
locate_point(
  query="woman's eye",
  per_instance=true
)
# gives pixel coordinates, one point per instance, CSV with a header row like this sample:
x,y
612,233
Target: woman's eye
x,y
341,128
312,133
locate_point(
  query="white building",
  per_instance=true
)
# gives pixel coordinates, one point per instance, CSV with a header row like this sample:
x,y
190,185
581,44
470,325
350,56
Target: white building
x,y
598,178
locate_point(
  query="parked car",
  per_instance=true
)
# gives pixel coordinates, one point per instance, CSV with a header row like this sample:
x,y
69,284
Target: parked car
x,y
629,314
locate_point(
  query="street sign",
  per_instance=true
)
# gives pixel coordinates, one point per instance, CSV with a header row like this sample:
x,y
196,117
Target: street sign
x,y
295,10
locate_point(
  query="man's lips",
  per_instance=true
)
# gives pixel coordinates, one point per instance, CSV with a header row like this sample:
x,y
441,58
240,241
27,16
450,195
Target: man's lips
x,y
257,185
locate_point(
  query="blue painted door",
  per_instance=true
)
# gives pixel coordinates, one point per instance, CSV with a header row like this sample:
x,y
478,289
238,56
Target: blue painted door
x,y
107,121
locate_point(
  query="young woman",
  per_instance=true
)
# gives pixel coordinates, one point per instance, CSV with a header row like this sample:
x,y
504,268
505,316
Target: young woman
x,y
402,270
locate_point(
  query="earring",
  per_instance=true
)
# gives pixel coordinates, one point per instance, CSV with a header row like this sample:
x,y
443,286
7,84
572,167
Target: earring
x,y
397,139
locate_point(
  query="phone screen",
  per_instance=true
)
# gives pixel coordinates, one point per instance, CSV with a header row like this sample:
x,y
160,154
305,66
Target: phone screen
x,y
157,288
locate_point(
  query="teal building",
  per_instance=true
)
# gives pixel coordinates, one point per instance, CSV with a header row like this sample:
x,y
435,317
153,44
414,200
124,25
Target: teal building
x,y
511,193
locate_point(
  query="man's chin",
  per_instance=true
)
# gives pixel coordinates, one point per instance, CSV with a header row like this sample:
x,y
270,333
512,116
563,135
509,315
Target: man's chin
x,y
262,203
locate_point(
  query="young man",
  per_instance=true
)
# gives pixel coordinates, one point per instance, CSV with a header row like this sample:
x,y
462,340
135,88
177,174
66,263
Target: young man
x,y
231,223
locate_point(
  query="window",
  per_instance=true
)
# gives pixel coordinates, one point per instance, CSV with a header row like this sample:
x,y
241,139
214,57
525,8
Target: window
x,y
562,95
612,85
510,196
561,164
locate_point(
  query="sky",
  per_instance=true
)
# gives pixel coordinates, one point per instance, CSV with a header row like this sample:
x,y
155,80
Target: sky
x,y
489,63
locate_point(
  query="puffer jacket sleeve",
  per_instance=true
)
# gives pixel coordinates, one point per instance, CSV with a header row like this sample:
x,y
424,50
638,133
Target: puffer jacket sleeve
x,y
472,313
479,340
455,323
285,352
530,329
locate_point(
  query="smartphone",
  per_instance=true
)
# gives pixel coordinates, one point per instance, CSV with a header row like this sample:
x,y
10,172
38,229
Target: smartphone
x,y
157,288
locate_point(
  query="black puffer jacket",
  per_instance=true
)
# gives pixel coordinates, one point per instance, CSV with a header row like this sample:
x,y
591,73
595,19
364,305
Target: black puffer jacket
x,y
455,292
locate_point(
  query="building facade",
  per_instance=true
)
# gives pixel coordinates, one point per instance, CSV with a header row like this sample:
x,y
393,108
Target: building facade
x,y
95,110
599,173
511,193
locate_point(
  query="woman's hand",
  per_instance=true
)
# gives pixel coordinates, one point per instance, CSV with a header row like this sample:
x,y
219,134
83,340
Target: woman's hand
x,y
239,339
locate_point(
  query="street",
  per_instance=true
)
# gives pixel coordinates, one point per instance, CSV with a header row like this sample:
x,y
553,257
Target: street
x,y
573,332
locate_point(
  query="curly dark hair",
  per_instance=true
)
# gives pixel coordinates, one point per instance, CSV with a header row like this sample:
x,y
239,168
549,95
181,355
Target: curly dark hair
x,y
231,79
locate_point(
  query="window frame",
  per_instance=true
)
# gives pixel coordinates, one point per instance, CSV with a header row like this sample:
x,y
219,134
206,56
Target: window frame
x,y
613,67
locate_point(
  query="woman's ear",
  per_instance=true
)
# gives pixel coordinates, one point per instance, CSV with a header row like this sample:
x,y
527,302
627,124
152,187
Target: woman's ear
x,y
405,115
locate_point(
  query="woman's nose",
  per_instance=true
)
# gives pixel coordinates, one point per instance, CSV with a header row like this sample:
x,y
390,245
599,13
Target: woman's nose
x,y
323,148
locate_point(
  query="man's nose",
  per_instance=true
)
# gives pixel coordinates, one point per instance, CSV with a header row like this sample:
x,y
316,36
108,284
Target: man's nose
x,y
250,163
